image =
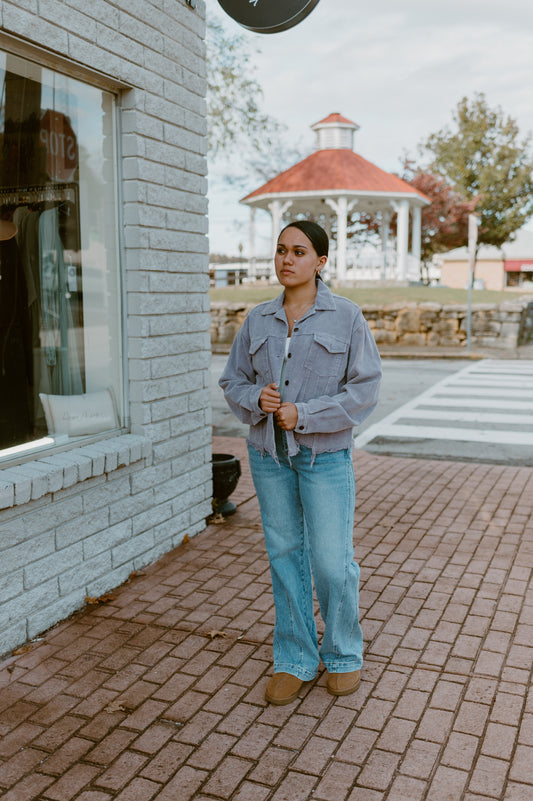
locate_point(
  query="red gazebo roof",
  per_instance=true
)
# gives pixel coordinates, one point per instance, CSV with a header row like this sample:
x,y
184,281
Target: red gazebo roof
x,y
331,170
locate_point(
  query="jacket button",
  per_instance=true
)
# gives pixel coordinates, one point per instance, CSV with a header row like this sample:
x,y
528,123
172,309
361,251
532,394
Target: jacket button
x,y
289,355
287,383
296,329
300,428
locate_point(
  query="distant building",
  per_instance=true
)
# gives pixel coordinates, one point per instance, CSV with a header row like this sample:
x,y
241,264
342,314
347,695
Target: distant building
x,y
510,266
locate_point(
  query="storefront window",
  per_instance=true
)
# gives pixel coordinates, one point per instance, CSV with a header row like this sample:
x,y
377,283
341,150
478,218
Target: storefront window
x,y
60,334
522,279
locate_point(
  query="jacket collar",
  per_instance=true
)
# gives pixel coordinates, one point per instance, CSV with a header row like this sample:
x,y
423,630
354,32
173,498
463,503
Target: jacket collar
x,y
324,301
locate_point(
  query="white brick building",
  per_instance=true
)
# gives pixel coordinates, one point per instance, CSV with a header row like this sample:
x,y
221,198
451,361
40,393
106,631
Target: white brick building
x,y
105,438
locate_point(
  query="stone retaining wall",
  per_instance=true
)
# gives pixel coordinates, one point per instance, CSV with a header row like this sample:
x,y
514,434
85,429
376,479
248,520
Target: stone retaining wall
x,y
407,324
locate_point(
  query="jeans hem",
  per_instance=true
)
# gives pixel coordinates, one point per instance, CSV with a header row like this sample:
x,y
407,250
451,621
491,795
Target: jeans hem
x,y
294,670
343,667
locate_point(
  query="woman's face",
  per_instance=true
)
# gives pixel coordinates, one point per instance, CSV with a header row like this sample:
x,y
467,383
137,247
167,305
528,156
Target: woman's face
x,y
296,260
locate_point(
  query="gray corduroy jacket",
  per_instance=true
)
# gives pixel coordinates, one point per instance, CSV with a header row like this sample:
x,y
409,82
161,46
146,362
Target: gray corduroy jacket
x,y
332,374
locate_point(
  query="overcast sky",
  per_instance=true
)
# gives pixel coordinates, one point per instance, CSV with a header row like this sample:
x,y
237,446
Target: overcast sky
x,y
397,69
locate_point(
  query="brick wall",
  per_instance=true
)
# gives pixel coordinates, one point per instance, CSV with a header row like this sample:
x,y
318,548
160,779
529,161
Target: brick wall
x,y
76,524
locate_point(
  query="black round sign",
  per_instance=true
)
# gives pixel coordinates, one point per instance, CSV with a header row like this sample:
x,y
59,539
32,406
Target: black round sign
x,y
268,16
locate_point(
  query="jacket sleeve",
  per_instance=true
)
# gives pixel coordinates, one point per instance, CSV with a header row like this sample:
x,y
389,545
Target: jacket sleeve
x,y
357,398
238,381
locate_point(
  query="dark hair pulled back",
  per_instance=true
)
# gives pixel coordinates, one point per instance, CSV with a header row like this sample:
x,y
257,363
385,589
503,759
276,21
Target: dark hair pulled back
x,y
314,232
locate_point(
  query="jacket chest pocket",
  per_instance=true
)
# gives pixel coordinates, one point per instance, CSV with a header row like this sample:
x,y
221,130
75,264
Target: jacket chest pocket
x,y
326,356
259,356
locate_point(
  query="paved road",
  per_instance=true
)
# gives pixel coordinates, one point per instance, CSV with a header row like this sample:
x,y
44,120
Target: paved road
x,y
442,408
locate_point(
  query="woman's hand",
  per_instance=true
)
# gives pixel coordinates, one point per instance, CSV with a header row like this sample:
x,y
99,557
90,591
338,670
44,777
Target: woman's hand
x,y
270,398
286,416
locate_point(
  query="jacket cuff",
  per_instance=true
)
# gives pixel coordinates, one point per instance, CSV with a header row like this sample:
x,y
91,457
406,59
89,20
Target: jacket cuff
x,y
257,414
301,425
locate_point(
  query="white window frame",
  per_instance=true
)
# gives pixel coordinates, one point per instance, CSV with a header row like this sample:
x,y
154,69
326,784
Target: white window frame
x,y
43,449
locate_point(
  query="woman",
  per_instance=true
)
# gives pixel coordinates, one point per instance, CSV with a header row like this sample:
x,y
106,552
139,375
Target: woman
x,y
303,371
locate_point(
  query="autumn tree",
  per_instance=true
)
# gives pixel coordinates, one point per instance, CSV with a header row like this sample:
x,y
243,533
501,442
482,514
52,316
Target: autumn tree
x,y
483,159
444,222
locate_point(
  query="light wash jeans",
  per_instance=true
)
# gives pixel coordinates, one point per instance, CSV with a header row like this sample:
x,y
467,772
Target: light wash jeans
x,y
307,510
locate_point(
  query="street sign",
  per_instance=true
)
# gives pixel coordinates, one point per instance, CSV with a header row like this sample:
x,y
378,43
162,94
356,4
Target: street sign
x,y
268,16
59,140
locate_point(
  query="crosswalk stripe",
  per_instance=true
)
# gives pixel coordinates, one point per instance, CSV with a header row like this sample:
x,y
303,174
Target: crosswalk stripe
x,y
473,391
459,434
484,385
469,417
516,367
494,381
481,403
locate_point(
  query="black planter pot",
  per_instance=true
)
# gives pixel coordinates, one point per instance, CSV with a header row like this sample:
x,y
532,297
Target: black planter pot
x,y
226,474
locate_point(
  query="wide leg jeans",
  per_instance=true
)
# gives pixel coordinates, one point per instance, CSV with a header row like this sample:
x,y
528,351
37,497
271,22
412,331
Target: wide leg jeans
x,y
307,511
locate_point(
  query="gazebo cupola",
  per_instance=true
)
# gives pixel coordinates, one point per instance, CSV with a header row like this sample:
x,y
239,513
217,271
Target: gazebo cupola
x,y
334,133
333,182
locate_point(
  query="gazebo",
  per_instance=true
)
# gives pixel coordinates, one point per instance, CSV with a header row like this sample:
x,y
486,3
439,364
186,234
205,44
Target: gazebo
x,y
334,181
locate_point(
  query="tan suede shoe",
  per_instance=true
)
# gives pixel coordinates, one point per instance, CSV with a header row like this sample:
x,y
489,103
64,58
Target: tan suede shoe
x,y
343,683
282,689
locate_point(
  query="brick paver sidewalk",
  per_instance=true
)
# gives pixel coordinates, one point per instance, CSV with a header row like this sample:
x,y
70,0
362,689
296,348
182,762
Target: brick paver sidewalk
x,y
158,692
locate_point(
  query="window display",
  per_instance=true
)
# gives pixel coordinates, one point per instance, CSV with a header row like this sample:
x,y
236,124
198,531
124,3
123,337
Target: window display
x,y
59,275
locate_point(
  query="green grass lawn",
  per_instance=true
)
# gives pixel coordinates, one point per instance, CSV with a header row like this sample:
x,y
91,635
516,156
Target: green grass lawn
x,y
374,296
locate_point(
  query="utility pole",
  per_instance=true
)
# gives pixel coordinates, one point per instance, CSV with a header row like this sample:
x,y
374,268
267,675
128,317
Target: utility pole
x,y
473,223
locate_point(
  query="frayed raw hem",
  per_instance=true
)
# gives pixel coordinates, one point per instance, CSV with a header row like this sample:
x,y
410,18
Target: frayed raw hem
x,y
273,454
263,451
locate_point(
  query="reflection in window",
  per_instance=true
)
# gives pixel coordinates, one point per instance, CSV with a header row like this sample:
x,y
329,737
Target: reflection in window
x,y
60,361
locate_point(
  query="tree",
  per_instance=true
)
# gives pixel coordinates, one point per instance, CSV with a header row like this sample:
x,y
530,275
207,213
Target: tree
x,y
233,93
483,159
234,114
444,222
239,132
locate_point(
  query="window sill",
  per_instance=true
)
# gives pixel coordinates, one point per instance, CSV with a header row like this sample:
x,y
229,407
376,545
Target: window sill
x,y
34,479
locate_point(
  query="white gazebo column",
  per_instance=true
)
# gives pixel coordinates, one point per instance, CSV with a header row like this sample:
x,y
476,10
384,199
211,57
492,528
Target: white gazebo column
x,y
251,255
277,209
416,236
341,207
402,239
342,213
327,228
327,224
384,231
